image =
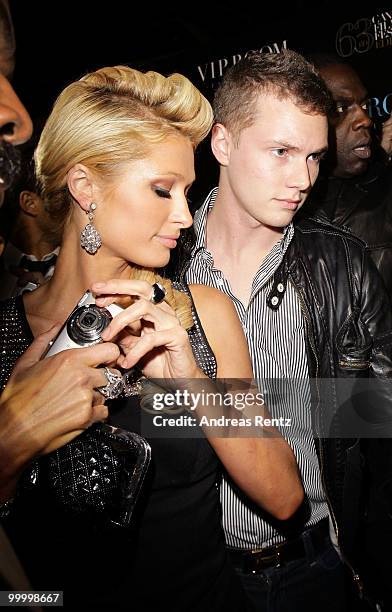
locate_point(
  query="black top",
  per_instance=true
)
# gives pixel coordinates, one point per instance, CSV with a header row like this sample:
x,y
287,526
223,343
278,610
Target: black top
x,y
173,557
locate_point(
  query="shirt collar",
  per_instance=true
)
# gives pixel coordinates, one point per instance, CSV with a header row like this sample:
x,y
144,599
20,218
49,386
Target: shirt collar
x,y
200,225
12,256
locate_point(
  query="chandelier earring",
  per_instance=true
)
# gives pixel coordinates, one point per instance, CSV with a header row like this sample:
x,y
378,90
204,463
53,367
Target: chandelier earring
x,y
90,239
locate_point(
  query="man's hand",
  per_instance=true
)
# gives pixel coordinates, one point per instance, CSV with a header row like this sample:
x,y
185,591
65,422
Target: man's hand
x,y
386,136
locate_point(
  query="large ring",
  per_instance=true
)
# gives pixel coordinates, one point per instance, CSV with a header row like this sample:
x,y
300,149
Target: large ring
x,y
115,385
158,293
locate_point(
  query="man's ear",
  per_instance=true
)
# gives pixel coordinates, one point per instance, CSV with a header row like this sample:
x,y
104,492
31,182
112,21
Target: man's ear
x,y
81,185
221,143
29,202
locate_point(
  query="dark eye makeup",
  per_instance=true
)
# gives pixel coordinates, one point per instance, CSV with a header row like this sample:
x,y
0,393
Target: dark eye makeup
x,y
162,193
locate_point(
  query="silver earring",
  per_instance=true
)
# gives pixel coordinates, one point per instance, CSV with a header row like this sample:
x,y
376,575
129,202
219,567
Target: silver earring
x,y
90,239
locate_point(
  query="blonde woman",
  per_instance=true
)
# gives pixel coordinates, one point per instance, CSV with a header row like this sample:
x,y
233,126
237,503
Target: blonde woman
x,y
115,162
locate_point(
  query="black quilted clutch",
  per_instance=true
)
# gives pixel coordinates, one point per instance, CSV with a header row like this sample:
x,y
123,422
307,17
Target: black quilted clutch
x,y
96,477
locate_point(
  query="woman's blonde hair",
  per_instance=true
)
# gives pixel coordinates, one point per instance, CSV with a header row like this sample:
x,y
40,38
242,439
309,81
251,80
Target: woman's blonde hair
x,y
110,117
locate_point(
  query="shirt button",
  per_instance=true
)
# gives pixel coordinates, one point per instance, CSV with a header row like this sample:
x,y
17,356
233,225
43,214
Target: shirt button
x,y
280,288
274,300
220,282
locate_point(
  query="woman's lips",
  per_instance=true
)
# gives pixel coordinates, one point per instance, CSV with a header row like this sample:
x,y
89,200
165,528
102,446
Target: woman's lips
x,y
168,241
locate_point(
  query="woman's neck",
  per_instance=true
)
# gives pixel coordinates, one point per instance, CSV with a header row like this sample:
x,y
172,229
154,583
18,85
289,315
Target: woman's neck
x,y
74,273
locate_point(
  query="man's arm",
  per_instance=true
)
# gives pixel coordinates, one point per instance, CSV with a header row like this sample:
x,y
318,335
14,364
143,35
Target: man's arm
x,y
48,403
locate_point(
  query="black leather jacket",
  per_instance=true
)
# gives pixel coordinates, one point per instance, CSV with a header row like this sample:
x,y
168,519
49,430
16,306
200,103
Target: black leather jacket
x,y
363,205
349,336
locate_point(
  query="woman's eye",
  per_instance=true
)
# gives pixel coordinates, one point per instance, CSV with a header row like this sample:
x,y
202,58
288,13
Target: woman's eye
x,y
162,193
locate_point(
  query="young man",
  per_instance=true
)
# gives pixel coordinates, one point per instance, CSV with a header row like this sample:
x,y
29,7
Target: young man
x,y
355,185
306,297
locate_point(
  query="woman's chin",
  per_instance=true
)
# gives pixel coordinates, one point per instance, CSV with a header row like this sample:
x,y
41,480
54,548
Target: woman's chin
x,y
160,261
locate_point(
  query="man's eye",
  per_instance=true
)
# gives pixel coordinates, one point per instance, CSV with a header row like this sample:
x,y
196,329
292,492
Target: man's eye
x,y
341,108
317,157
365,105
162,193
279,152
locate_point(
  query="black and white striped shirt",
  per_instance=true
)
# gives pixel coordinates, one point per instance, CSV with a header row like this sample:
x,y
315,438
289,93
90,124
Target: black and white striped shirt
x,y
277,348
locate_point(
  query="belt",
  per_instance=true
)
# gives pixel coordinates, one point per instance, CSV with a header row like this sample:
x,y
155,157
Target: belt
x,y
256,561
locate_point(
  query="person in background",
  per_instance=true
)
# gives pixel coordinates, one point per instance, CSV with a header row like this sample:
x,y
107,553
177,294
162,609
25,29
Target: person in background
x,y
354,190
314,311
32,239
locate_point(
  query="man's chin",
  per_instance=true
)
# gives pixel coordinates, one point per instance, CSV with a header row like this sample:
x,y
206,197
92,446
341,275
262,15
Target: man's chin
x,y
355,168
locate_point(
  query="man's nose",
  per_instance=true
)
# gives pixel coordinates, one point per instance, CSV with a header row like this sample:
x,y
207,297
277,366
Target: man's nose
x,y
15,123
362,119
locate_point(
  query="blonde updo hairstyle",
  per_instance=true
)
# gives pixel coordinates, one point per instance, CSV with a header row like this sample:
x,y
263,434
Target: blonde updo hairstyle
x,y
110,117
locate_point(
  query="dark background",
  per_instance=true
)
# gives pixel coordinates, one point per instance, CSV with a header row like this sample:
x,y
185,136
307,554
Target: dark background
x,y
58,42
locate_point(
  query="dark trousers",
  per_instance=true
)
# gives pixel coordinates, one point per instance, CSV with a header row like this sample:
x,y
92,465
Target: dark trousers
x,y
314,583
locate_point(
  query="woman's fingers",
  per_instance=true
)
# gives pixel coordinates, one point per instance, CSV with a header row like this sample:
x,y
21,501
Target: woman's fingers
x,y
123,287
171,339
142,309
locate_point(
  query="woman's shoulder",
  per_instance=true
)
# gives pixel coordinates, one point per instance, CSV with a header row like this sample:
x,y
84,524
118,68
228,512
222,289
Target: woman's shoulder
x,y
224,331
208,296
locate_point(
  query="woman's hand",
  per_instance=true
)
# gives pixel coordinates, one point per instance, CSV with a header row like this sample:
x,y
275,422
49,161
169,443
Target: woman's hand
x,y
149,335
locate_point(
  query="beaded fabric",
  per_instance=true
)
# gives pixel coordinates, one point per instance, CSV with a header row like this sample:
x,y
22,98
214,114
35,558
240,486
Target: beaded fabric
x,y
15,336
201,348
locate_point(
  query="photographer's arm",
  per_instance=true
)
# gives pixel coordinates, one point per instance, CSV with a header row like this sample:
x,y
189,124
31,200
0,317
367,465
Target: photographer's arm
x,y
47,403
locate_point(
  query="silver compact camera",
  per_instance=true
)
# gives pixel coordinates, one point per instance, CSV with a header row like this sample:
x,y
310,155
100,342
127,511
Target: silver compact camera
x,y
84,325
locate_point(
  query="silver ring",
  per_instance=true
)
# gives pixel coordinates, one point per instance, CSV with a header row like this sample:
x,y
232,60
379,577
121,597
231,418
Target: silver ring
x,y
158,293
115,385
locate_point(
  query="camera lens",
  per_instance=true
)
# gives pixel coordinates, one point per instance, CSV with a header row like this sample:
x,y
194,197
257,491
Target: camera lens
x,y
88,320
87,323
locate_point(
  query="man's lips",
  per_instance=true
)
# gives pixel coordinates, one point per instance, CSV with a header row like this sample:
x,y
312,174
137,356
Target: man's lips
x,y
363,150
289,204
168,241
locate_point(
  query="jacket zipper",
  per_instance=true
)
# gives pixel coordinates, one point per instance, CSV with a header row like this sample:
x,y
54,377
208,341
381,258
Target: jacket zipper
x,y
356,578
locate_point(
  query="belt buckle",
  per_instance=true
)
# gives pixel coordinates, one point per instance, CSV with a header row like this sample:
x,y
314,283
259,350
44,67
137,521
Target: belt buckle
x,y
261,561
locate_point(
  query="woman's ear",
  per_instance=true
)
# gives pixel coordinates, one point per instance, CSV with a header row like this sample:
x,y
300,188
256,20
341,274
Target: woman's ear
x,y
81,185
221,143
